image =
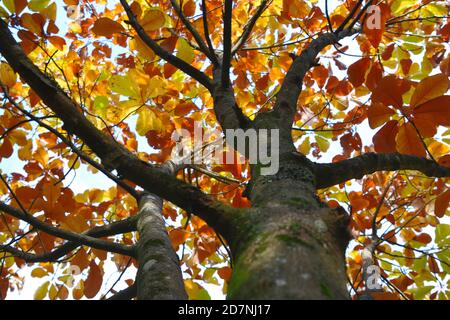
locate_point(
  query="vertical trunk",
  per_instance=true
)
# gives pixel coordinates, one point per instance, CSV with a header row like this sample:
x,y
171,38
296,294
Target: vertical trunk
x,y
291,246
159,275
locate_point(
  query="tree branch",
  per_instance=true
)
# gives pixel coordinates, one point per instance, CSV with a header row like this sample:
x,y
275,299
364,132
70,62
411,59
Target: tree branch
x,y
201,44
163,54
117,227
349,17
159,274
286,103
206,32
249,27
226,58
112,154
330,174
81,239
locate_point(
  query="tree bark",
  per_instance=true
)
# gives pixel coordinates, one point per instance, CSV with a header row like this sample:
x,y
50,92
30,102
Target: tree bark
x,y
159,274
290,246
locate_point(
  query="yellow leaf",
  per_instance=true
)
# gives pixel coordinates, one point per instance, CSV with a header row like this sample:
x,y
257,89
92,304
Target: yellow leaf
x,y
323,143
53,292
125,86
142,48
148,120
185,51
438,149
305,147
106,27
7,75
155,87
50,12
39,273
41,292
152,20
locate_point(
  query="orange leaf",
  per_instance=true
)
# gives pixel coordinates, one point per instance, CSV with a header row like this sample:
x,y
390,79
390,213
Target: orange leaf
x,y
189,8
390,90
374,76
384,139
423,238
357,71
224,273
4,286
408,141
441,204
19,5
6,149
430,88
320,74
357,201
58,42
378,114
436,111
374,23
106,27
94,281
178,236
81,259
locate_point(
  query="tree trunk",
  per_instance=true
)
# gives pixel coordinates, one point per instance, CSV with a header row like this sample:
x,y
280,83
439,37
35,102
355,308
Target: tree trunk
x,y
159,274
290,246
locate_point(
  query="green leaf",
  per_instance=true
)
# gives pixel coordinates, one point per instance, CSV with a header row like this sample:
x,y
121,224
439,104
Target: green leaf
x,y
195,291
421,292
444,256
443,234
434,9
100,104
38,5
9,4
324,144
400,5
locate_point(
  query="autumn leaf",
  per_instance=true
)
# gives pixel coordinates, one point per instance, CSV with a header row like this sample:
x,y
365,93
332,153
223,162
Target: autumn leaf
x,y
94,281
430,88
441,204
434,111
225,273
384,139
374,23
152,20
390,90
41,291
7,76
106,27
357,71
148,120
408,141
378,114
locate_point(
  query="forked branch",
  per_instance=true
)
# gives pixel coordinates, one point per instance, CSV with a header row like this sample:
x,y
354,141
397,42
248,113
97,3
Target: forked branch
x,y
164,54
